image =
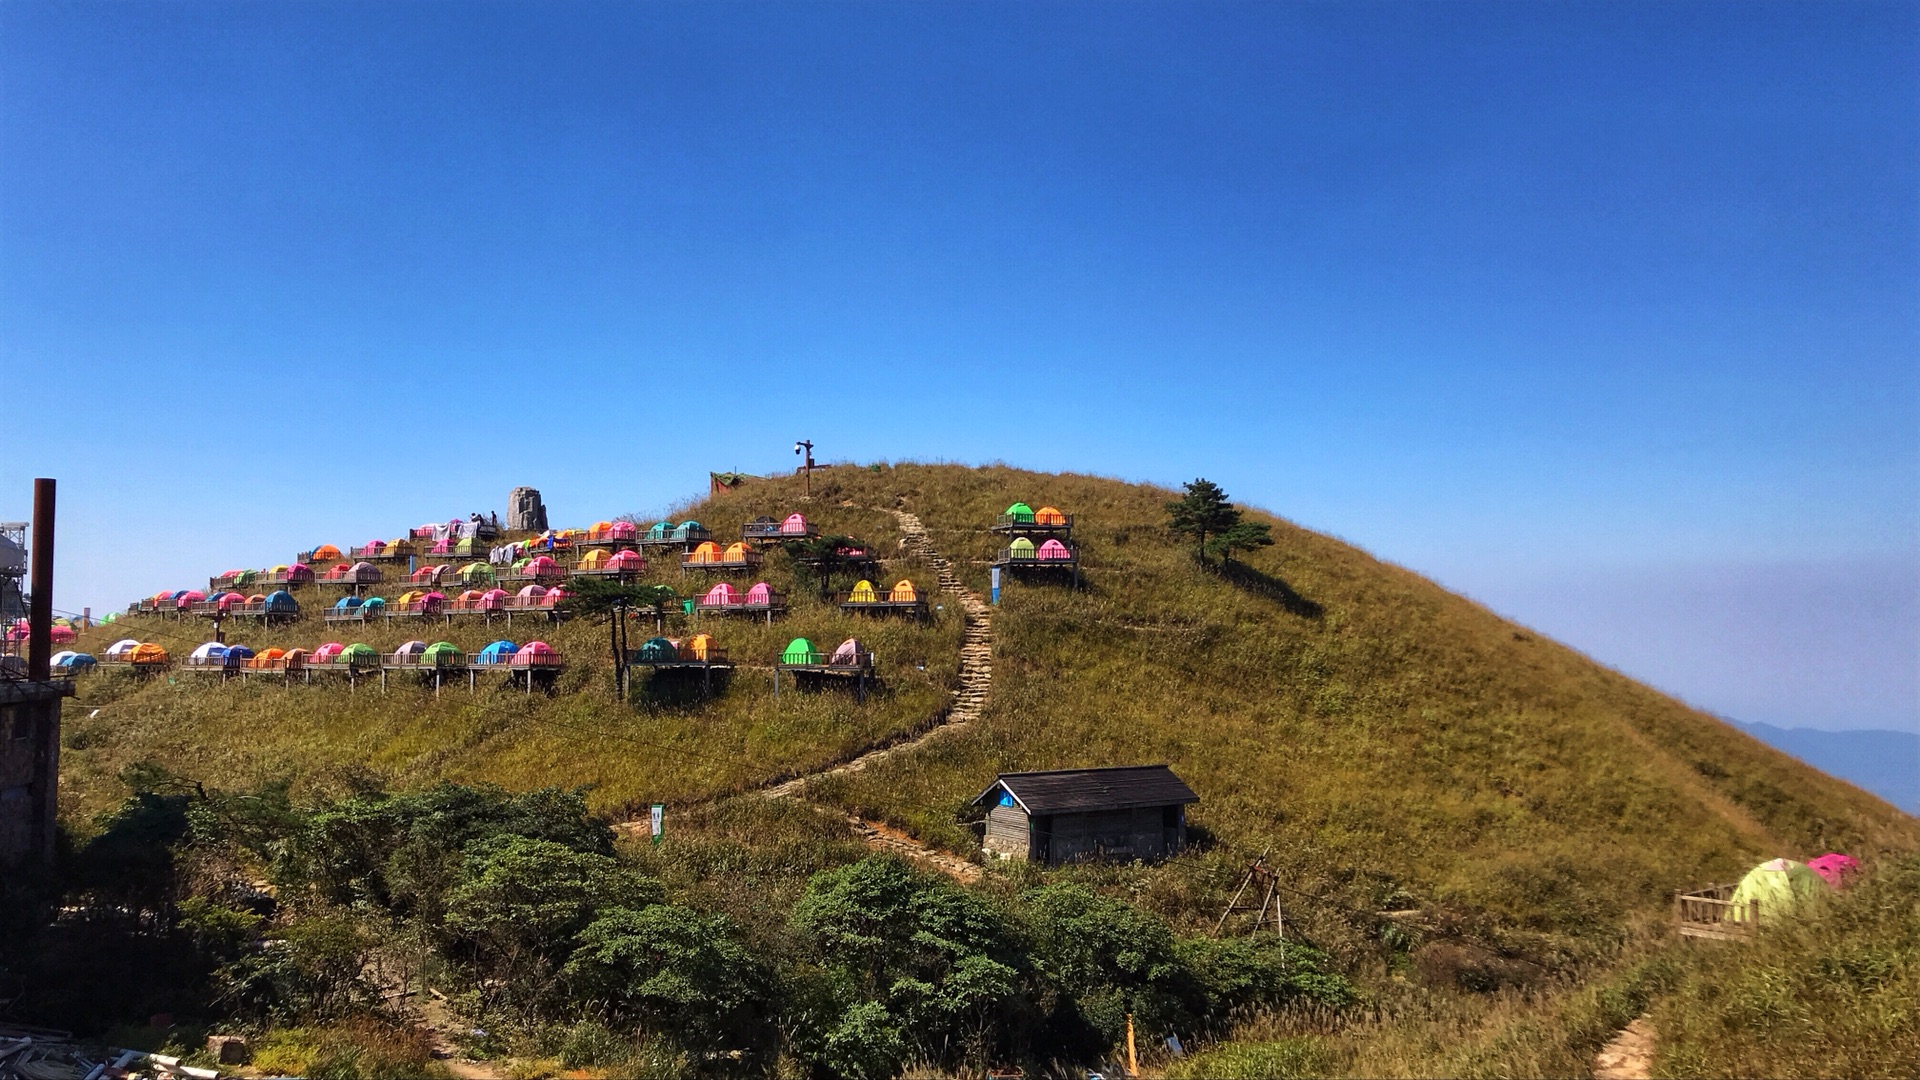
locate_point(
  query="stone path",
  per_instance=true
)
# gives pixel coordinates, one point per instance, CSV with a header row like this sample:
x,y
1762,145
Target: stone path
x,y
1629,1056
976,682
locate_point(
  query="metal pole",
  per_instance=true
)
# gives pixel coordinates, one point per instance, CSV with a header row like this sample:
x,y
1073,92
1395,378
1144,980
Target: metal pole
x,y
40,605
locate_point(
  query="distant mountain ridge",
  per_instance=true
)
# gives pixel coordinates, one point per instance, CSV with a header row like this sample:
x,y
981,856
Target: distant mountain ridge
x,y
1886,763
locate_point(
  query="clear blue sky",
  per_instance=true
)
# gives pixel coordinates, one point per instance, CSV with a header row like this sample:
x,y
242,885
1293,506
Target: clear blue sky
x,y
1604,314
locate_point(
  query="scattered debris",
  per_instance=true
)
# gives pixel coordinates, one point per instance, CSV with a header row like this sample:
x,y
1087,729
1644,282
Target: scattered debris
x,y
46,1054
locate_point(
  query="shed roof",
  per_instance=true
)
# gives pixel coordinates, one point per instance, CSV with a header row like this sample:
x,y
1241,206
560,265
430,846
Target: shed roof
x,y
1068,791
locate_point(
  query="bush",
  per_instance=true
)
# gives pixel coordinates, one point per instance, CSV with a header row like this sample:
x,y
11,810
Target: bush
x,y
681,974
1285,1059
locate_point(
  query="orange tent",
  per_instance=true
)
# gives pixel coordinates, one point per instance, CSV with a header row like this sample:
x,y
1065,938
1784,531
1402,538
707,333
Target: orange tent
x,y
1047,515
903,592
595,559
736,552
146,653
699,647
707,552
323,552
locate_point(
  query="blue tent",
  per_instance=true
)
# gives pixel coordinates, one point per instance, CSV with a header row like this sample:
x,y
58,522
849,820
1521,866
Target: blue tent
x,y
500,652
74,661
346,603
660,530
659,649
283,603
238,655
372,605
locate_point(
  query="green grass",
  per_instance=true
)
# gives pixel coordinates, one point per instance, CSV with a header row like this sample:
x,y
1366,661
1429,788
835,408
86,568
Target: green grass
x,y
1393,745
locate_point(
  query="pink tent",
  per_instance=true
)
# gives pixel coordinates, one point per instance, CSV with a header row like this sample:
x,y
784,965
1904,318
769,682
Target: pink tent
x,y
325,653
189,598
622,530
60,635
441,547
722,593
795,525
630,561
227,600
533,652
532,592
554,596
1053,549
299,572
760,595
1835,868
493,600
848,653
542,566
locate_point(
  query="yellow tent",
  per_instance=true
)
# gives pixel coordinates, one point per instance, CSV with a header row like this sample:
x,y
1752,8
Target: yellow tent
x,y
863,594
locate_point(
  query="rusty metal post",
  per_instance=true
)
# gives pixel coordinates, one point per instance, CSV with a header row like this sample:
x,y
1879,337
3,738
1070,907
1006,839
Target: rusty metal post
x,y
40,608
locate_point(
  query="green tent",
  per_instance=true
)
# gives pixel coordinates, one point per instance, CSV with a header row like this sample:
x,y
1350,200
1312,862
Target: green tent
x,y
443,654
658,650
1020,512
799,651
477,573
1776,887
1021,548
469,547
244,577
357,655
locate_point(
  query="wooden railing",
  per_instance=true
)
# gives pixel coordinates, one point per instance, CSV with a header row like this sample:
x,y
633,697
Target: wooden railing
x,y
1711,913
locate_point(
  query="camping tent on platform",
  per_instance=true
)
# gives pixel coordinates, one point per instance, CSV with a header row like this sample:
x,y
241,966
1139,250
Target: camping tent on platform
x,y
737,552
701,647
323,553
282,603
73,662
660,530
795,525
720,595
659,649
374,606
61,635
147,654
1053,549
707,552
863,594
346,603
408,651
599,530
627,562
761,595
499,652
1048,515
1021,548
119,649
211,654
238,655
1019,512
1777,887
798,651
189,598
534,653
327,653
476,573
1836,869
848,654
903,592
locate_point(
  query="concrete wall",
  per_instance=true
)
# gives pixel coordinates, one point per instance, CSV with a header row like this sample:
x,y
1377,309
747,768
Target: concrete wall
x,y
29,768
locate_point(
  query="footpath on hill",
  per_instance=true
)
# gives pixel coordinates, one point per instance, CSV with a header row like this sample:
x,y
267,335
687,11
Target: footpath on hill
x,y
976,682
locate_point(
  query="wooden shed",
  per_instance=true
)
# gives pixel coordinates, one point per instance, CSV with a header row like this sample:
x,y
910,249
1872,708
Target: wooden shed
x,y
1064,815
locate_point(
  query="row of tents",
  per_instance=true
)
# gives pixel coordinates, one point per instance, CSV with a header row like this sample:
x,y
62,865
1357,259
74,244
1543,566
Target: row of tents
x,y
1047,516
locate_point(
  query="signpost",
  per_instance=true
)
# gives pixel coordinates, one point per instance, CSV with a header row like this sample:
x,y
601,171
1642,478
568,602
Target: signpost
x,y
996,586
659,812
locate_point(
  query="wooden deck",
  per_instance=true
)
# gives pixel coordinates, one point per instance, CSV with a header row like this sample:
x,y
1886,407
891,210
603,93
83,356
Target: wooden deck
x,y
1711,913
1008,525
917,610
818,672
1070,565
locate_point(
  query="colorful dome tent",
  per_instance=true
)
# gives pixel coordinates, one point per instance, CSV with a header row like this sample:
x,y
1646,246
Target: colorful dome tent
x,y
903,592
721,595
1835,869
1021,548
238,655
799,651
61,635
660,530
227,601
863,594
189,598
1053,549
360,655
267,661
299,574
409,652
531,595
796,525
599,530
594,560
626,562
476,573
295,659
347,603
328,653
324,553
535,654
498,652
211,654
850,653
470,548
702,647
147,654
443,546
554,596
707,552
467,601
738,551
374,605
1048,515
1775,889
543,566
119,649
73,662
493,600
622,530
760,595
282,603
1019,513
659,650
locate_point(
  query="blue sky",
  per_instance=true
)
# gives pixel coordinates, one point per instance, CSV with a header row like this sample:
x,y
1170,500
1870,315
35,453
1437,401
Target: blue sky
x,y
1606,315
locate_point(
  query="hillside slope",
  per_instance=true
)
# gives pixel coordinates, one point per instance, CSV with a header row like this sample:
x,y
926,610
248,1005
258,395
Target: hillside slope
x,y
1394,745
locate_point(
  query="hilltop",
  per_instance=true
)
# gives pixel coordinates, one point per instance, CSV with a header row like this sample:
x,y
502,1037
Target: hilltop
x,y
1393,746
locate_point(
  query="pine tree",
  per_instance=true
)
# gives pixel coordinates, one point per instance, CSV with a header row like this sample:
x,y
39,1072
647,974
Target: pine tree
x,y
1204,511
1242,536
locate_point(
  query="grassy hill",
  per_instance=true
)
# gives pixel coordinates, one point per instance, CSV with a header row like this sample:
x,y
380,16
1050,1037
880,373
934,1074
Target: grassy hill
x,y
1393,745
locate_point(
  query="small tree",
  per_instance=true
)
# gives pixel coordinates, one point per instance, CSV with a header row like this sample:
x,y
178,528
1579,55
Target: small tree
x,y
612,600
1242,536
1202,512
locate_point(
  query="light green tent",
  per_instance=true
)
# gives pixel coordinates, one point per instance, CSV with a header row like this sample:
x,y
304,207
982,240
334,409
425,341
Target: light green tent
x,y
470,547
1020,512
799,651
357,655
1021,548
477,573
443,654
1776,888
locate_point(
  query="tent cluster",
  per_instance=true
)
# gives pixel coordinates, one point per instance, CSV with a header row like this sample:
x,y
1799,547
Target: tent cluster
x,y
903,592
137,653
357,656
701,648
724,594
709,553
279,602
849,653
1022,514
1023,548
1778,887
600,560
662,532
61,632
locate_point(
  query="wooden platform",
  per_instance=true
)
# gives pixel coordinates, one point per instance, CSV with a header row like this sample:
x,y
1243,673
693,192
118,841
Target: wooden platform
x,y
1711,913
1008,525
818,672
912,609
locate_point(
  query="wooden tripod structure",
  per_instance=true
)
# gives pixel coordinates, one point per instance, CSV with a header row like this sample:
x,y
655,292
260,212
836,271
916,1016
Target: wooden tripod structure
x,y
1262,879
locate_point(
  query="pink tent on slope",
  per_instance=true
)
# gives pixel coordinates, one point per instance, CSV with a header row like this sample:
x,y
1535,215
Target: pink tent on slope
x,y
1835,868
722,593
1053,549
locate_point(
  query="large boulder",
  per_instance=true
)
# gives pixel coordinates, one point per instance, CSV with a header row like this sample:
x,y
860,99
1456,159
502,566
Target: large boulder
x,y
525,511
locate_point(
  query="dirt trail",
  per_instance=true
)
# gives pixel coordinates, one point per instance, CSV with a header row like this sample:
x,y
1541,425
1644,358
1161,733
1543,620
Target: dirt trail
x,y
976,682
1629,1056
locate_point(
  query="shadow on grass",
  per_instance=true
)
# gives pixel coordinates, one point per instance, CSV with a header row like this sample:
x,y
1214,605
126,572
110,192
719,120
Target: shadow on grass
x,y
1264,584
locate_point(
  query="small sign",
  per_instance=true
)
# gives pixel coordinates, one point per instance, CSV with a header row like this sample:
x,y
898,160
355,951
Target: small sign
x,y
657,816
996,585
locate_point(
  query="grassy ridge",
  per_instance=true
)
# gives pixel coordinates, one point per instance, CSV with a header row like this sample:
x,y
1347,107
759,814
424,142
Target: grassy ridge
x,y
1395,745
